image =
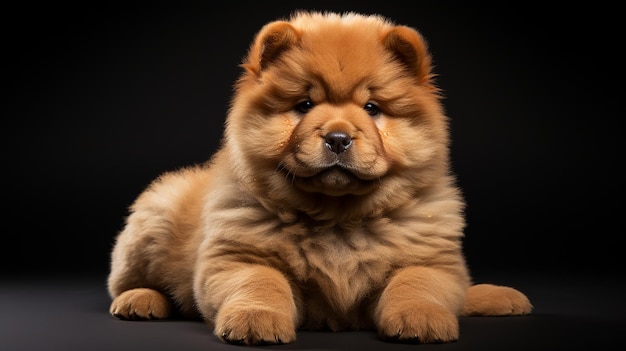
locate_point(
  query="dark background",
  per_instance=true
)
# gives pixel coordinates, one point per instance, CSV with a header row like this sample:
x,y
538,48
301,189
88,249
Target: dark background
x,y
101,99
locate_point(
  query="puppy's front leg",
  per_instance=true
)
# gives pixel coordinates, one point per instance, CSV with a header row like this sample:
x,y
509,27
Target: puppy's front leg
x,y
420,304
248,304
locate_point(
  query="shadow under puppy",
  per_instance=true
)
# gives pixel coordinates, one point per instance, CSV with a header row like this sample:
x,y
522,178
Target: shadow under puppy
x,y
329,205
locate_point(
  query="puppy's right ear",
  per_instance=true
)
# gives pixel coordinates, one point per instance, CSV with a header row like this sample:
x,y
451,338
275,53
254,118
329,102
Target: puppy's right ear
x,y
270,42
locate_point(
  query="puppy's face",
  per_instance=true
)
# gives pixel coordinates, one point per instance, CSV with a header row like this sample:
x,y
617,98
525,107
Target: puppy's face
x,y
337,106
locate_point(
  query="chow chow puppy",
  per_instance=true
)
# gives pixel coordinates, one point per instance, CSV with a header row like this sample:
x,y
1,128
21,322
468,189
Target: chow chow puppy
x,y
330,204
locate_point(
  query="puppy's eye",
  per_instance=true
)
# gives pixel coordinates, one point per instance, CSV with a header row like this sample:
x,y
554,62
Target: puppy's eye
x,y
304,106
372,109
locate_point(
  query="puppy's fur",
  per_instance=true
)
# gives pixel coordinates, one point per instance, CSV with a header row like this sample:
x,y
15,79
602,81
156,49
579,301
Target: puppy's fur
x,y
330,204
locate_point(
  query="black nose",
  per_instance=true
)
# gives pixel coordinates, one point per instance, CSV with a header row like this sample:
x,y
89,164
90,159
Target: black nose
x,y
338,142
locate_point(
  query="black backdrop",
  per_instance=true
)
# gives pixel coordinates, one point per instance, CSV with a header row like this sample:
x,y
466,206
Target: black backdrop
x,y
101,99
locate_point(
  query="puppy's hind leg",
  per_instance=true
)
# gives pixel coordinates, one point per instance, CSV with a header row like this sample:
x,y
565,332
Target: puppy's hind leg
x,y
139,304
495,300
136,273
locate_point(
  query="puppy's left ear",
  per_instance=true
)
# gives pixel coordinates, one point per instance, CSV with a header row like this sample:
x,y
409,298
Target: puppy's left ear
x,y
270,42
410,48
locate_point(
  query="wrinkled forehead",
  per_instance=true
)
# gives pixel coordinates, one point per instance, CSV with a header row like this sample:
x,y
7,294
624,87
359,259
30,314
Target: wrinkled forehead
x,y
340,58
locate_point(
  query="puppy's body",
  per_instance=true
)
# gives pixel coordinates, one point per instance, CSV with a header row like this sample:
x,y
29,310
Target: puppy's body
x,y
329,205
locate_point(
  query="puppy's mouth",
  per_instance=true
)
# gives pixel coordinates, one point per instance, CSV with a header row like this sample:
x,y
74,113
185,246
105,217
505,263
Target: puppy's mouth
x,y
335,180
337,176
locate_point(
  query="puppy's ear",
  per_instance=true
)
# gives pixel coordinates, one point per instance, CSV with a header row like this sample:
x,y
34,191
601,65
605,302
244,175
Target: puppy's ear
x,y
270,42
410,48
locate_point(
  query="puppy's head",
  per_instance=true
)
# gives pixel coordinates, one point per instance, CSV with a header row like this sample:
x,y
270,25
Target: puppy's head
x,y
337,107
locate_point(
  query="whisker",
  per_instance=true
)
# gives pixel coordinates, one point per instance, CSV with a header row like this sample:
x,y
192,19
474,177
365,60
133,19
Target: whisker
x,y
289,175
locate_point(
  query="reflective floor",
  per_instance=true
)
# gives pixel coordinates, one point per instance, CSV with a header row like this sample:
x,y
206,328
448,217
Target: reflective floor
x,y
71,314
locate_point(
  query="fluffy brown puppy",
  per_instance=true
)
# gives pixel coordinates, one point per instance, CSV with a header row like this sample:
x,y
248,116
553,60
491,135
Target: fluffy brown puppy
x,y
330,204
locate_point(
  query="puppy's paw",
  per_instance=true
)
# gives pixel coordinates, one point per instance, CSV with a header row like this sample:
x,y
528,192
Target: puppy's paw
x,y
254,326
495,300
139,304
428,322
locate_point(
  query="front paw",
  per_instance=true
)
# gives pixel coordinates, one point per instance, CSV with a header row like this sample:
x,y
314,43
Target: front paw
x,y
427,322
254,326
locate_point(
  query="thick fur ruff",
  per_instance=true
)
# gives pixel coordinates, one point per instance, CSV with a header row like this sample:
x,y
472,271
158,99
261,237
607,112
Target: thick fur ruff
x,y
329,205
